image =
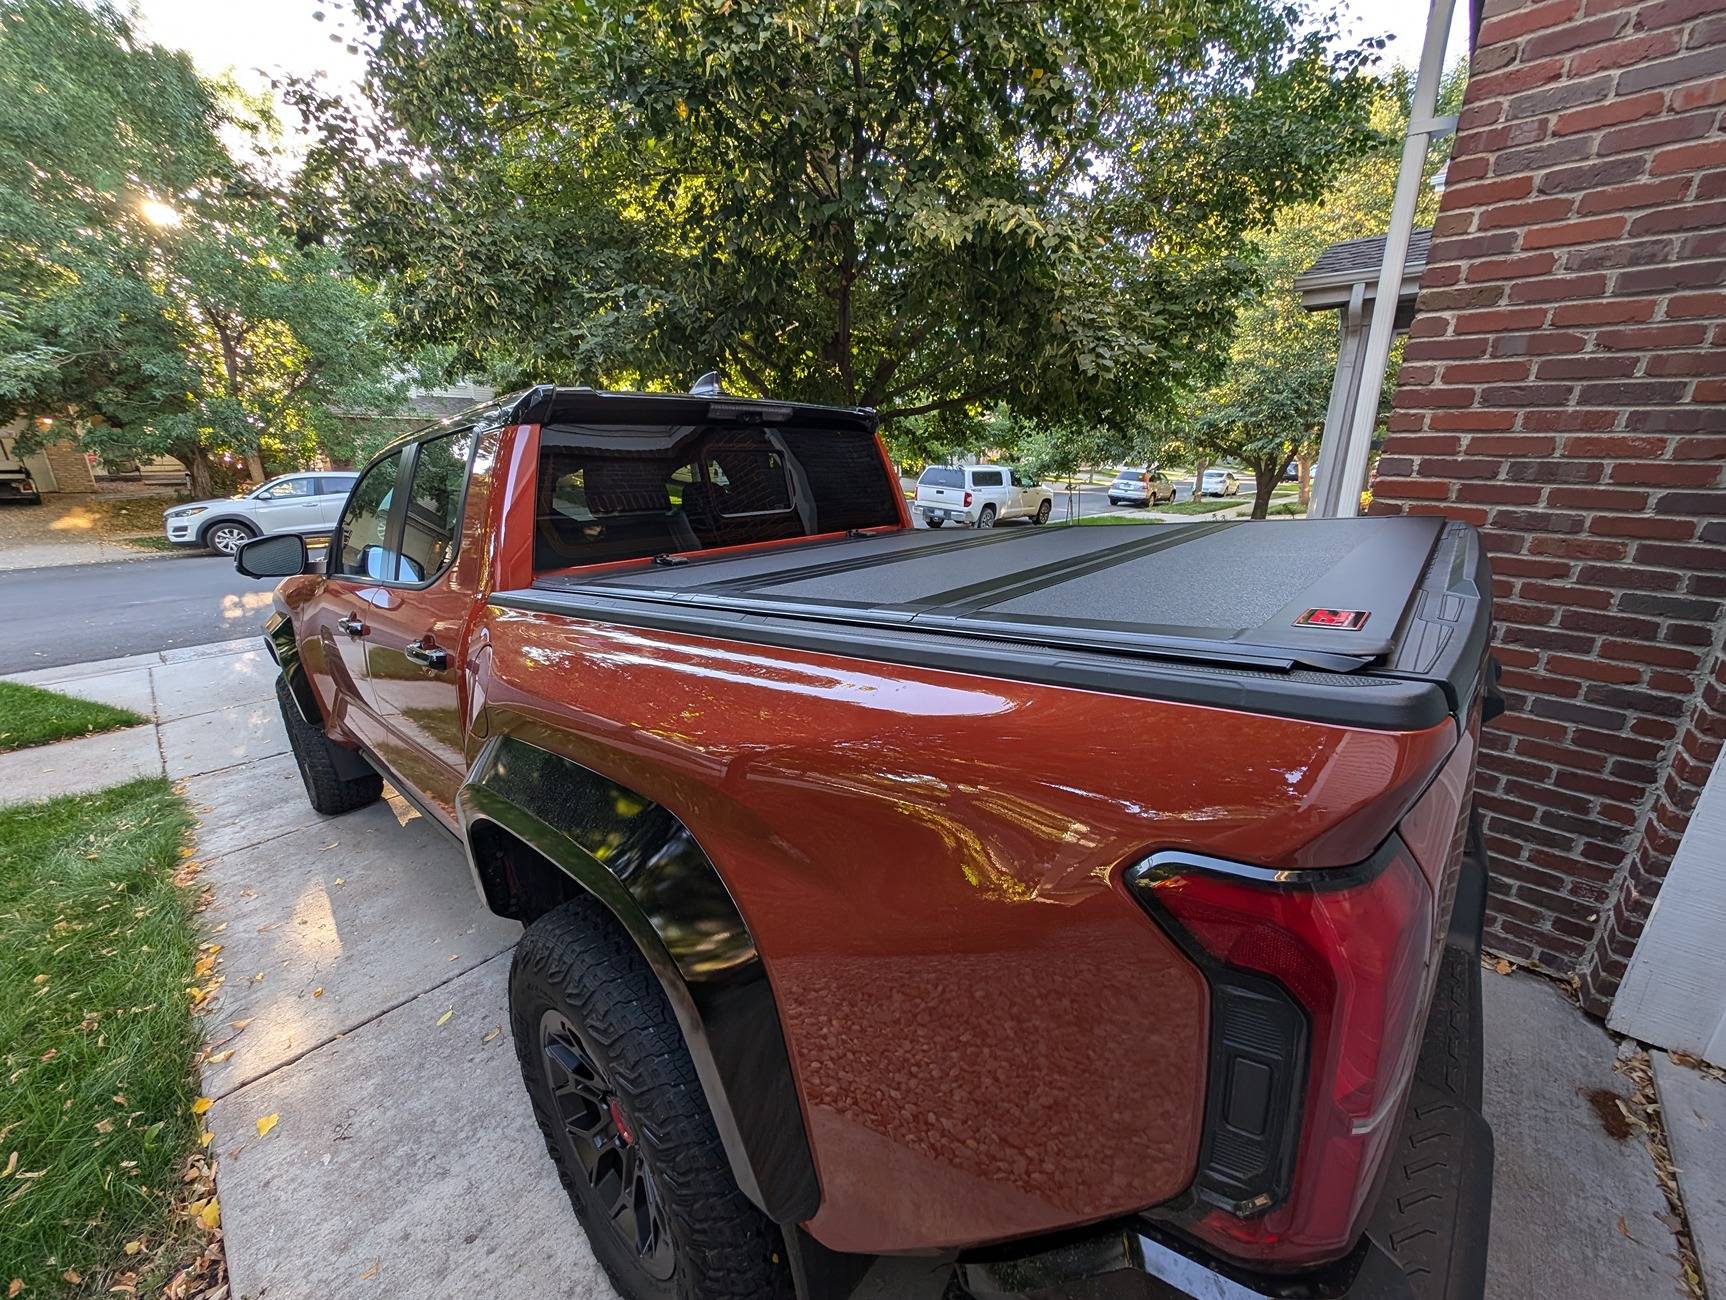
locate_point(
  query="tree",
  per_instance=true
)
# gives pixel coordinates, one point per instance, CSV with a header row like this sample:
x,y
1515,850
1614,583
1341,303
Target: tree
x,y
927,206
149,294
1267,407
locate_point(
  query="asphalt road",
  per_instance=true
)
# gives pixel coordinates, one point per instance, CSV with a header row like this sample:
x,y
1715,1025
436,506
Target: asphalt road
x,y
76,613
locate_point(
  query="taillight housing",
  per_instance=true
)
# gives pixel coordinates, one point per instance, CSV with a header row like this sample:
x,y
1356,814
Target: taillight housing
x,y
1319,983
967,500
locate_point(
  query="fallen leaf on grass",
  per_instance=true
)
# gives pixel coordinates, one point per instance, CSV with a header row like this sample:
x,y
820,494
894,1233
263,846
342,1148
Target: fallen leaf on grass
x,y
73,1276
444,1018
14,1287
211,1215
267,1123
104,1126
201,1105
219,1057
205,1138
132,1247
11,1164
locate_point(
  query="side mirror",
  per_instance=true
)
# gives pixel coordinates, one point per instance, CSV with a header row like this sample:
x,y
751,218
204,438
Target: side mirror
x,y
282,556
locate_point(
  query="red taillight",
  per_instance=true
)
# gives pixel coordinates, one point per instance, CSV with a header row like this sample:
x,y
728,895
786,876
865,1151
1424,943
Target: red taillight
x,y
1354,951
967,500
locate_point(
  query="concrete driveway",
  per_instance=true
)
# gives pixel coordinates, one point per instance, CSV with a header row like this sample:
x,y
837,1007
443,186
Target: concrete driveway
x,y
367,984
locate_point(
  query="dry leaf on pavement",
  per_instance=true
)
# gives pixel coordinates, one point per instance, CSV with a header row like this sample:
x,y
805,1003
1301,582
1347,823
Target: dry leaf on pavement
x,y
267,1123
444,1018
201,1105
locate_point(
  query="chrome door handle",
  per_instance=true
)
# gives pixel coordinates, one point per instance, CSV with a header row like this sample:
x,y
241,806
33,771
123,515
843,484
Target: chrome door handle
x,y
351,624
428,656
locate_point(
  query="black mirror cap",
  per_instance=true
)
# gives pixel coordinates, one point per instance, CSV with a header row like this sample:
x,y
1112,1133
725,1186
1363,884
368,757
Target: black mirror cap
x,y
282,556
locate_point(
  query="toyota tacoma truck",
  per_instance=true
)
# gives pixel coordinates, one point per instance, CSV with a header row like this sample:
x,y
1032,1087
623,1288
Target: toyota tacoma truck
x,y
1089,911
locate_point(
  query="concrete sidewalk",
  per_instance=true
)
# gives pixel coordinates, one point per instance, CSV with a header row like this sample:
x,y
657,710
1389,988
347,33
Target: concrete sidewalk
x,y
368,984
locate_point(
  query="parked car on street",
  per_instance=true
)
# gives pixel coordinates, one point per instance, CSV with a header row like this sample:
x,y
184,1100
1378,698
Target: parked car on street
x,y
1009,902
1219,483
17,485
304,504
1140,485
981,496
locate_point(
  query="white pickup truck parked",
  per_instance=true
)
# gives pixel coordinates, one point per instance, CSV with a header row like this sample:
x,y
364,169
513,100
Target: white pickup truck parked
x,y
980,496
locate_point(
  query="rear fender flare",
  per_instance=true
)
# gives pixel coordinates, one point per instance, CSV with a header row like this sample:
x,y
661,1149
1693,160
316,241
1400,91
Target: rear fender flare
x,y
664,891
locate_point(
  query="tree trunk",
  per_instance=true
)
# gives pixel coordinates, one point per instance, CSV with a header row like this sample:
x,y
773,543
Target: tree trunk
x,y
255,466
1267,473
197,463
1199,467
1303,464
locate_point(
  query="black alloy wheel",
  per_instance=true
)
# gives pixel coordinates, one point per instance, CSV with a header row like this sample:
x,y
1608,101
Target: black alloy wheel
x,y
600,1147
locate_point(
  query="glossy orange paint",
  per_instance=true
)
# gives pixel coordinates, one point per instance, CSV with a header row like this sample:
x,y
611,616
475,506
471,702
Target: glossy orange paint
x,y
990,1038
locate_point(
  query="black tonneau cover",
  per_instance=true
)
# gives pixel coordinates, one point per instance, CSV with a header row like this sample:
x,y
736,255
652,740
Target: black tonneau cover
x,y
1374,622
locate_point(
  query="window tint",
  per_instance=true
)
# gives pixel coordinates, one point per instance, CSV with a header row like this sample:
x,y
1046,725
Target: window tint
x,y
434,506
943,476
602,499
987,478
284,488
363,531
335,487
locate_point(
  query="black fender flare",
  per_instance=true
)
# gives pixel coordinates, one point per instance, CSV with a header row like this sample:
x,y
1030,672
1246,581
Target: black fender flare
x,y
284,648
639,860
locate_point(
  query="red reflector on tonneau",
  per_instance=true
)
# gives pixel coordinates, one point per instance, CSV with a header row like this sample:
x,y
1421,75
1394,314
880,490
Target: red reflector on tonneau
x,y
1346,619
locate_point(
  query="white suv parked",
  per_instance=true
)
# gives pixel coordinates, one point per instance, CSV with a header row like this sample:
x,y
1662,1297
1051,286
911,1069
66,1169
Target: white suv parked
x,y
308,504
981,496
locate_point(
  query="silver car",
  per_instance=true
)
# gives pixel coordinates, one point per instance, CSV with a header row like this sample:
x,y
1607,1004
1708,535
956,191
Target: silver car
x,y
308,504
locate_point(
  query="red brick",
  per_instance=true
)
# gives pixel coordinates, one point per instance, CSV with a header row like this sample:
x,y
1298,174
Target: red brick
x,y
1481,193
1596,498
1616,311
1558,288
1694,216
1613,112
1506,215
1616,447
1667,13
1688,158
1430,489
1665,474
1620,54
1653,336
1475,372
1587,230
1689,305
1498,319
1468,420
1673,530
1700,95
1511,445
1642,194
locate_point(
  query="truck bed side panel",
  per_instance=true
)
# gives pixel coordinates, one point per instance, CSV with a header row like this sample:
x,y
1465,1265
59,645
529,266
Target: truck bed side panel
x,y
920,892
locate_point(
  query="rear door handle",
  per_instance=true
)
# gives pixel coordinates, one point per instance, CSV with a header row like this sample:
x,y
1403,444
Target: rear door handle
x,y
428,656
351,624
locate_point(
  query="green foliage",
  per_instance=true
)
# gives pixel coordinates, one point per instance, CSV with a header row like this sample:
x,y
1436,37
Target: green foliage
x,y
97,946
31,716
1268,405
928,206
149,291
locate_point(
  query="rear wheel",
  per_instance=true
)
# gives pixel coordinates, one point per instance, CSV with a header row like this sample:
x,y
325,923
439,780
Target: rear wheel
x,y
226,538
987,518
934,523
1043,511
624,1118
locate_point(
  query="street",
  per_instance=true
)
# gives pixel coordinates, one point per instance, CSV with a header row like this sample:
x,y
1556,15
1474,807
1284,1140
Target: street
x,y
81,612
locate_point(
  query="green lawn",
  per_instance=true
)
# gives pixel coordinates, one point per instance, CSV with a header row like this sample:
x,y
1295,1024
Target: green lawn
x,y
97,951
31,716
1203,505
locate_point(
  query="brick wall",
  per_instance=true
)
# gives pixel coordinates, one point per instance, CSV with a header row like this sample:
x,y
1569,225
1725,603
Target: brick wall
x,y
1563,389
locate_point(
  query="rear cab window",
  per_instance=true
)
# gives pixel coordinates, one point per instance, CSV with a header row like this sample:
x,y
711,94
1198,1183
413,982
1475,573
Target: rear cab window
x,y
611,493
945,476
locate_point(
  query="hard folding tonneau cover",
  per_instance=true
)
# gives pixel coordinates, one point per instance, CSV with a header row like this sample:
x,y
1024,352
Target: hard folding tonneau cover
x,y
1372,622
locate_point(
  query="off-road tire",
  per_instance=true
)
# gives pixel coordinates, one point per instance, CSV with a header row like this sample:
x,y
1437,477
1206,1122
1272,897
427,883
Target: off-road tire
x,y
986,517
329,793
1043,513
934,523
576,960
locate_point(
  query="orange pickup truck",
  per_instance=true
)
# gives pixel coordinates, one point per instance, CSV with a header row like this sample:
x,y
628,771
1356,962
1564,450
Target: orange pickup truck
x,y
1092,911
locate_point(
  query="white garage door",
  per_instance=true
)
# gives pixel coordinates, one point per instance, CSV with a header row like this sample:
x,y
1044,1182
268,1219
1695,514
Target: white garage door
x,y
1674,994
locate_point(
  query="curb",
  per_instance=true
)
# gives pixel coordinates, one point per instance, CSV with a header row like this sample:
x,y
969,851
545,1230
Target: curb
x,y
149,659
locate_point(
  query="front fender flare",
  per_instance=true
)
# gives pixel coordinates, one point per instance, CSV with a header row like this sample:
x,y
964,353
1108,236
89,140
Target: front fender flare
x,y
638,859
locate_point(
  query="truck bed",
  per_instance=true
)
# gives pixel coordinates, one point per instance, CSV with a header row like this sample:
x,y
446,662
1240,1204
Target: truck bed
x,y
1372,622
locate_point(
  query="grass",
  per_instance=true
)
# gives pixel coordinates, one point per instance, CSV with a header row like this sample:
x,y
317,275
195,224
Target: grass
x,y
151,543
1203,505
97,948
31,716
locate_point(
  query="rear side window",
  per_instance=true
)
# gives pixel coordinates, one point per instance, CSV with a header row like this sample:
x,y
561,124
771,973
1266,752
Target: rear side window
x,y
434,506
605,495
942,476
987,478
334,487
363,547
